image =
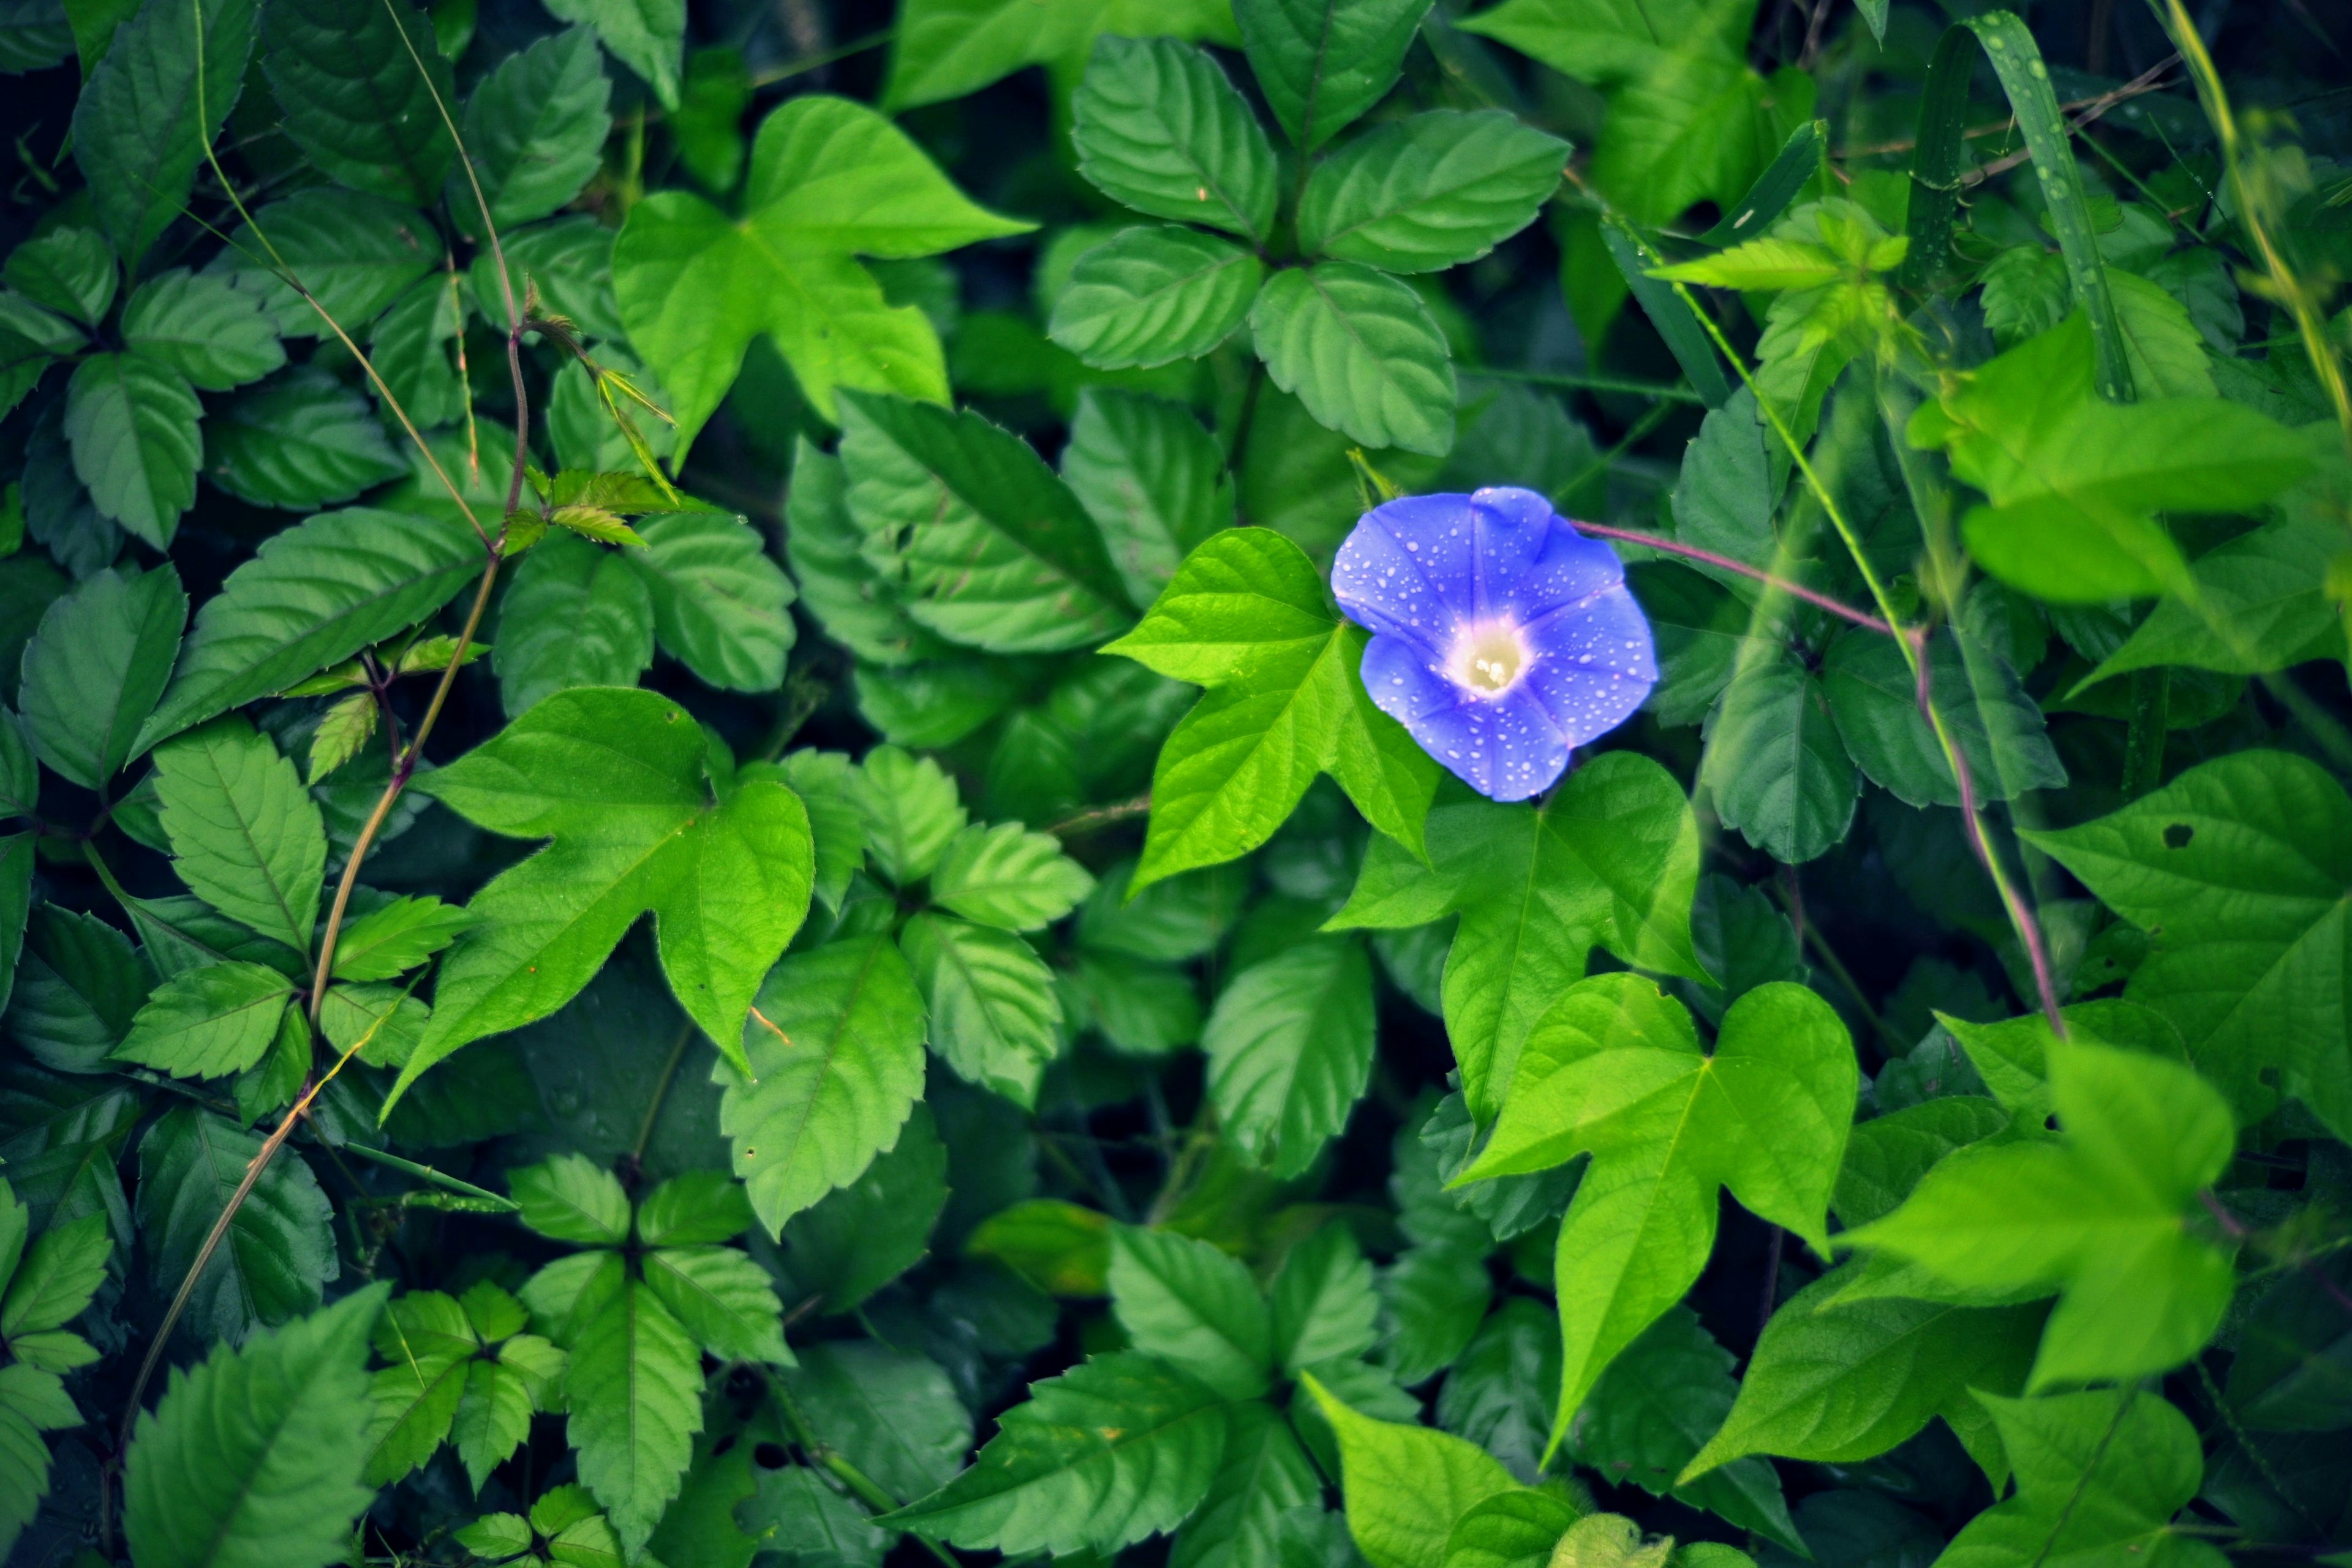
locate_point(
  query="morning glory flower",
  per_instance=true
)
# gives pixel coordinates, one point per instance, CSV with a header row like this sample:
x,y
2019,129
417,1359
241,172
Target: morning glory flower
x,y
1502,638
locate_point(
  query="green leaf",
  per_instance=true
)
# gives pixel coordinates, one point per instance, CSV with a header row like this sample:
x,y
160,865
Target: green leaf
x,y
2240,869
1159,127
1510,1530
1840,1382
2096,1216
570,1197
892,1413
616,777
694,1209
208,1022
849,598
2287,1374
1998,731
56,1278
78,985
492,1418
70,270
411,346
2163,347
279,1250
719,604
837,1053
1615,1067
359,80
535,131
1007,877
910,811
2259,607
255,1456
979,540
1193,1306
2099,1477
245,836
355,253
1114,1449
863,1236
200,324
1649,1413
132,424
145,116
388,942
573,615
1611,858
1776,765
1361,352
635,1394
1322,63
1325,1308
1152,480
1057,1247
1246,615
1498,1395
1290,1050
2012,1055
313,596
1886,1156
2075,480
1429,192
416,1398
723,1299
646,36
995,1015
1265,1475
299,440
1405,1485
94,668
829,179
946,48
1434,1296
1152,296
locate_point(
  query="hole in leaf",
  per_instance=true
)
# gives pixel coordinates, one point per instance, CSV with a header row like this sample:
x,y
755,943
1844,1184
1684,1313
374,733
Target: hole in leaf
x,y
2178,836
771,1456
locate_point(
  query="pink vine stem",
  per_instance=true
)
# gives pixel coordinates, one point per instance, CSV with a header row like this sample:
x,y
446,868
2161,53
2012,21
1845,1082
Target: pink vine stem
x,y
1797,590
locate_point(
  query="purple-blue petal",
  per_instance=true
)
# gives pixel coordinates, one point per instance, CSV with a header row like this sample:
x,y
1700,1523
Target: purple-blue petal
x,y
1505,748
1417,571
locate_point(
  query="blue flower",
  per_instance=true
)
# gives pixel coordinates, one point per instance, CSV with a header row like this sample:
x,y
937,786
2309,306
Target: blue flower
x,y
1502,638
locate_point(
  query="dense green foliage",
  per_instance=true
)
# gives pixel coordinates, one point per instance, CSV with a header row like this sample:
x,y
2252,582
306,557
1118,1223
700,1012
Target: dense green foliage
x,y
699,873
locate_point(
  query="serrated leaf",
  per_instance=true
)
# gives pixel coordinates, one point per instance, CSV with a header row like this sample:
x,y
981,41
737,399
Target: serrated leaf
x,y
1429,192
343,728
1290,1050
1776,765
829,179
573,616
1152,480
1193,1306
723,1299
138,131
245,836
646,36
570,1197
279,1250
910,811
837,1056
849,598
1405,1485
1150,296
1362,353
416,1398
133,425
70,270
388,942
863,1236
995,1016
635,1394
1324,1305
208,1022
56,1277
95,667
300,440
982,543
1997,727
892,1413
719,604
947,49
202,325
2260,607
1265,1475
616,777
2094,1217
355,253
1609,859
535,130
1114,1449
255,1457
77,985
358,81
1158,127
1007,877
411,347
1510,1530
1322,63
492,1418
1615,1067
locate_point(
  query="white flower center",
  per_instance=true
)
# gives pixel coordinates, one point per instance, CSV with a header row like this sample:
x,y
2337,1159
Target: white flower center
x,y
1489,657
